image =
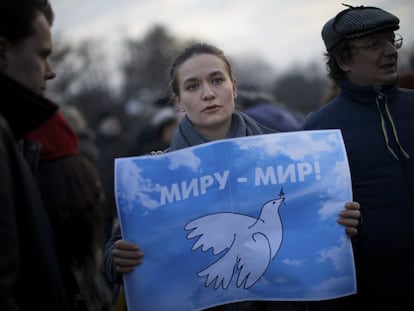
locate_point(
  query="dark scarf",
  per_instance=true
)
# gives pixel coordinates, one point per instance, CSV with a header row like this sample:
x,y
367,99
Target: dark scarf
x,y
23,109
36,118
241,125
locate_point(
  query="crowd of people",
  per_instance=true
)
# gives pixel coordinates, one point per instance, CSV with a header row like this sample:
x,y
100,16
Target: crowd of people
x,y
62,246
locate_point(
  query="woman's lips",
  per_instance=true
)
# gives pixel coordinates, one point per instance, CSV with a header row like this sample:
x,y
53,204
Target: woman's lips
x,y
211,108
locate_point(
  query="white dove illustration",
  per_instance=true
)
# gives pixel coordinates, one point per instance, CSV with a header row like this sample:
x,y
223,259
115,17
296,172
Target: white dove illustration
x,y
249,243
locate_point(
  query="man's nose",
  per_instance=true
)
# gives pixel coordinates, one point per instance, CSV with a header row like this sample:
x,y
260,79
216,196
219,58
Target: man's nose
x,y
390,48
50,74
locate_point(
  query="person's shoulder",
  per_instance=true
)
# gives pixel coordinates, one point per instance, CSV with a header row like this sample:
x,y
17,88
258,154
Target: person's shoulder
x,y
311,120
407,92
6,134
3,123
405,99
320,117
267,130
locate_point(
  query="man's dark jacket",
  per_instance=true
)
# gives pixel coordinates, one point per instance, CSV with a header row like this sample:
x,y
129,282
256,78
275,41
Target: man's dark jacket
x,y
29,274
377,125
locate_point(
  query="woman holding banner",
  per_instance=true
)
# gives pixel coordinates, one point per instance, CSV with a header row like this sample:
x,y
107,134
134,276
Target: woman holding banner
x,y
203,86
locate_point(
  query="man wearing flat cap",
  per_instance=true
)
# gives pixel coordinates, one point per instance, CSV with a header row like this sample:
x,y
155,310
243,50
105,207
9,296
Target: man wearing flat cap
x,y
377,123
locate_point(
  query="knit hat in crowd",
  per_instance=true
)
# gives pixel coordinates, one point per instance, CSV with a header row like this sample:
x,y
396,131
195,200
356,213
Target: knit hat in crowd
x,y
356,22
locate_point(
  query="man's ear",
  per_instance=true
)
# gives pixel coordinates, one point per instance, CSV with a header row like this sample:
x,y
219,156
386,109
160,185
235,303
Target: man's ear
x,y
343,62
4,48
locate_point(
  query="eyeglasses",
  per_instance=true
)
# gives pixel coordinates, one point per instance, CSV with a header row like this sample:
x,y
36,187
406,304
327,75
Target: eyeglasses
x,y
377,44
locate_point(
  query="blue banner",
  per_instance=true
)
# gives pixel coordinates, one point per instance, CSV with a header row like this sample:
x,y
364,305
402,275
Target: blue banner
x,y
250,218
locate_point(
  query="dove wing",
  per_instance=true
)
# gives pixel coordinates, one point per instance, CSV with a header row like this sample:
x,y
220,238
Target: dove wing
x,y
219,273
253,260
217,231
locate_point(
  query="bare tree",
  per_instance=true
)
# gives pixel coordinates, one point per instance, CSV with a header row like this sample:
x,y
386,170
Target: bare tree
x,y
301,90
82,77
145,65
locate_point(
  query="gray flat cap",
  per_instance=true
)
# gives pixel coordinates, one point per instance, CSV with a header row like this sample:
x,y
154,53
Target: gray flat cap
x,y
356,22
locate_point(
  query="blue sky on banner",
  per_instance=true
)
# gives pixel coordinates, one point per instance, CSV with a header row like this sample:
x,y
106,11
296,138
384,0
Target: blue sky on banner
x,y
158,196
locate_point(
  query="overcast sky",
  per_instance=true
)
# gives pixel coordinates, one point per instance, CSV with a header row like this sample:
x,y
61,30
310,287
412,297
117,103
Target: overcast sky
x,y
282,32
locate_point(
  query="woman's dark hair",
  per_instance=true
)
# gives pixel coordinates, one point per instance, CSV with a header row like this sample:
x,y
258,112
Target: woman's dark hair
x,y
17,16
187,53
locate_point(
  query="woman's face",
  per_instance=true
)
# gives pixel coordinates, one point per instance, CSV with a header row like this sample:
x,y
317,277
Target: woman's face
x,y
206,93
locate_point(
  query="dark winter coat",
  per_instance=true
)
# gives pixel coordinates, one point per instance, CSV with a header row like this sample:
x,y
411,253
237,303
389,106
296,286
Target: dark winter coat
x,y
29,274
377,124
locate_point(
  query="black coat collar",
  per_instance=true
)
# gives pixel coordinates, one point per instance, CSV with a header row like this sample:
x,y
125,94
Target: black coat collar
x,y
23,109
